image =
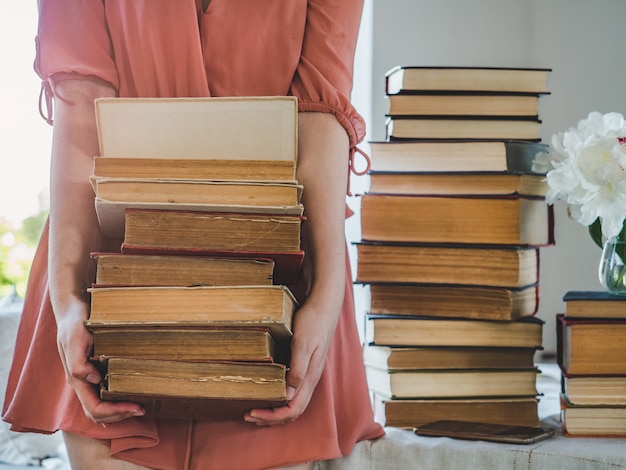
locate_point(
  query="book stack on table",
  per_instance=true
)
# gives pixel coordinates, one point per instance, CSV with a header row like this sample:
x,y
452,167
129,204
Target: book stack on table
x,y
591,351
451,228
192,318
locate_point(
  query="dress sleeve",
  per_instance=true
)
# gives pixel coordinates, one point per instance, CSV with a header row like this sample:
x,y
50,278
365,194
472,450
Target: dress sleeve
x,y
73,42
323,78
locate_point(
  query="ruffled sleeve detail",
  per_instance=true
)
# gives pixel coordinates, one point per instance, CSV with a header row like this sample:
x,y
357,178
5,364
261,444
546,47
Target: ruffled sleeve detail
x,y
72,42
323,78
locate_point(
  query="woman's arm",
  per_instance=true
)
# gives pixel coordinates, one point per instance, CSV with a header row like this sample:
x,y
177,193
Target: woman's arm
x,y
74,234
323,171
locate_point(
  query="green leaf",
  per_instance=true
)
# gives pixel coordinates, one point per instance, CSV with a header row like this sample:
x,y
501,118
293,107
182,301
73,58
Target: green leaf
x,y
620,248
595,230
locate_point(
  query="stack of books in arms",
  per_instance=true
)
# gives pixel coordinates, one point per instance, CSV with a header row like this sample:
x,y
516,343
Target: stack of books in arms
x,y
451,229
192,317
591,351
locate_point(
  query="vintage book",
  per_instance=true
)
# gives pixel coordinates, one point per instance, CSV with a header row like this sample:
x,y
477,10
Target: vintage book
x,y
456,183
608,421
481,303
111,214
228,193
478,79
413,413
185,169
233,128
389,330
247,235
415,127
441,219
594,389
181,389
595,347
114,196
188,344
269,307
454,156
212,231
437,357
124,270
439,264
482,431
462,104
594,304
452,383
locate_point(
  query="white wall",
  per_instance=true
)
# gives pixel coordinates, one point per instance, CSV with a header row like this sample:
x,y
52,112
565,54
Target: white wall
x,y
581,40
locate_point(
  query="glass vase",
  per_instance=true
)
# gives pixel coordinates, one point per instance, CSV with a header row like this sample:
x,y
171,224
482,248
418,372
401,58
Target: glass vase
x,y
612,269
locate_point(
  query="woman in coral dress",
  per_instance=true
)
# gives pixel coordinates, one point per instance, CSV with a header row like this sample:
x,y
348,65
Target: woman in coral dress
x,y
162,48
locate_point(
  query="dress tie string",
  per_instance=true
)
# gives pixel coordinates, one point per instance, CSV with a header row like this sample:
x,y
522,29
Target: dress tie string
x,y
45,96
368,163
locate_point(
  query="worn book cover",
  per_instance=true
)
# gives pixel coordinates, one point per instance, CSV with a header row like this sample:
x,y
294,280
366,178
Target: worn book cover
x,y
270,307
127,270
509,267
195,390
411,413
501,220
394,330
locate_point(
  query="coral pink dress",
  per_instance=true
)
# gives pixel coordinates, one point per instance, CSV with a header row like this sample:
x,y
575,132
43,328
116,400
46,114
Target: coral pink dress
x,y
164,48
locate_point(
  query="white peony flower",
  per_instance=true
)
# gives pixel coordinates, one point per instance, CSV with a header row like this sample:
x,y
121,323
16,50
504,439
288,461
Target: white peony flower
x,y
586,168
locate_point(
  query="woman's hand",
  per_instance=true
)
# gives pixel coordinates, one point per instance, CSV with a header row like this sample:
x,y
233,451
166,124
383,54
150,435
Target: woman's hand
x,y
75,342
313,333
323,171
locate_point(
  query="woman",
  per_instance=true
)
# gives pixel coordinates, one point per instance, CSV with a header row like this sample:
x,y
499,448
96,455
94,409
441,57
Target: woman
x,y
160,48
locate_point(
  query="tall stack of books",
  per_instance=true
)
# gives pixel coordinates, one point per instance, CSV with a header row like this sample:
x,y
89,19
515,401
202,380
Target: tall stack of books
x,y
451,230
192,318
591,351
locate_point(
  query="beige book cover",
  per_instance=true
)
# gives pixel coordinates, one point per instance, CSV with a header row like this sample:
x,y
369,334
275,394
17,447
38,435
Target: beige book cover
x,y
238,128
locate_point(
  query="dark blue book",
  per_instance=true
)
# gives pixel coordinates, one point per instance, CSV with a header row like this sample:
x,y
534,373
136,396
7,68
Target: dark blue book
x,y
594,304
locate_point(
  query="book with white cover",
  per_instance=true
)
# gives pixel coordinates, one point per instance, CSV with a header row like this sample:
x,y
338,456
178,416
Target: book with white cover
x,y
236,128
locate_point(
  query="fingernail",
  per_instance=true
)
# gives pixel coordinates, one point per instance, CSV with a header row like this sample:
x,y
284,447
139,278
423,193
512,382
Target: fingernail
x,y
248,418
291,391
93,379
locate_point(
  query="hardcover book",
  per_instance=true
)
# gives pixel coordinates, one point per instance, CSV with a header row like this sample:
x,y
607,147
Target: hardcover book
x,y
124,270
608,421
455,156
414,127
457,184
227,235
186,343
478,302
195,390
442,357
452,383
478,79
594,389
201,168
447,219
435,103
233,128
591,346
594,304
270,307
411,413
174,191
389,330
509,267
111,214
